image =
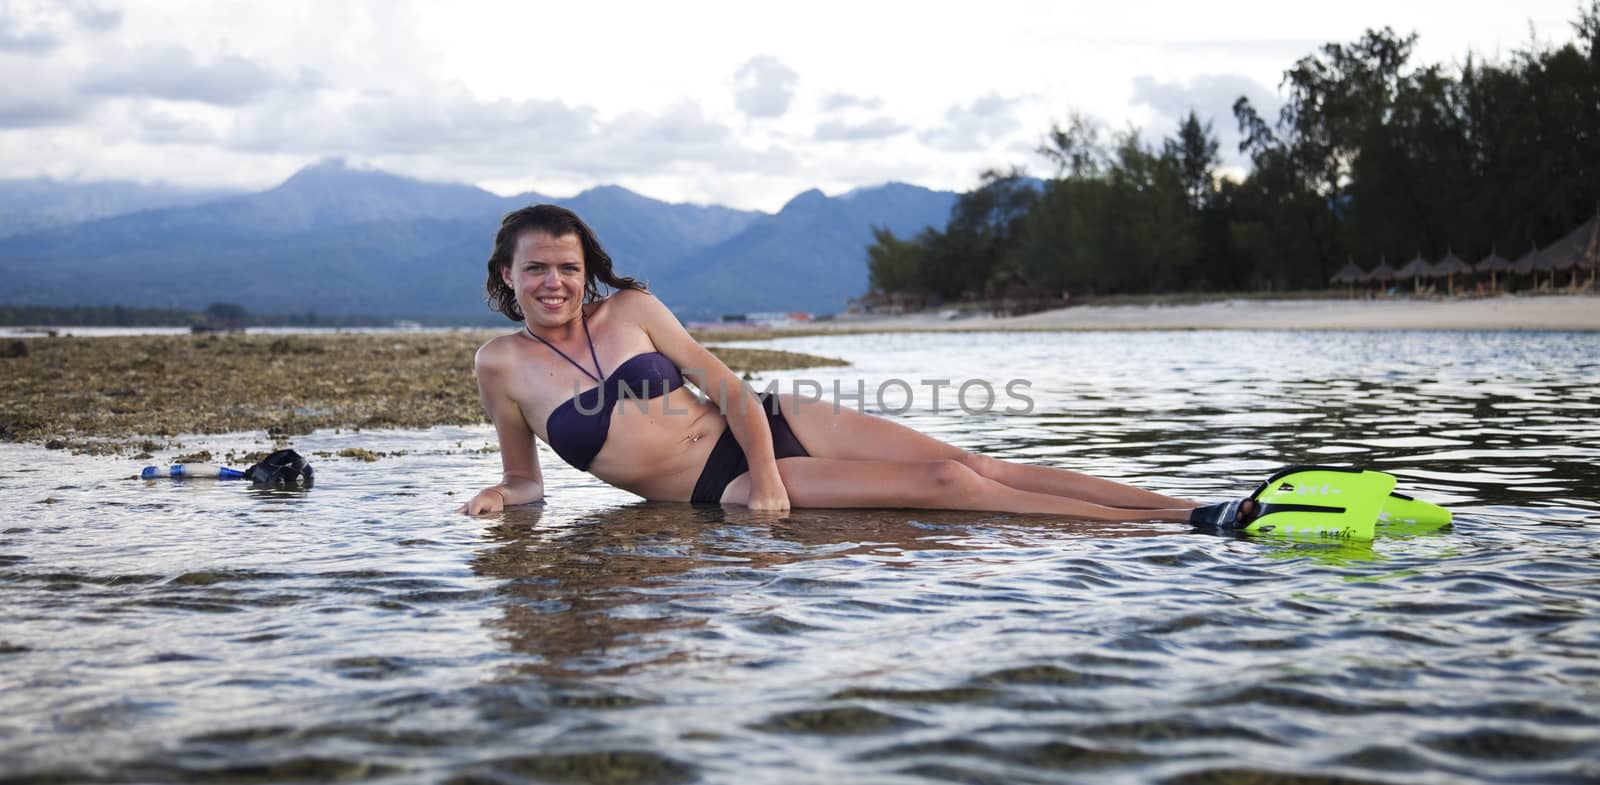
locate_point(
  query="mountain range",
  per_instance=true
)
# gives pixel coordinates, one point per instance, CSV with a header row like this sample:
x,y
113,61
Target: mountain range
x,y
44,203
333,239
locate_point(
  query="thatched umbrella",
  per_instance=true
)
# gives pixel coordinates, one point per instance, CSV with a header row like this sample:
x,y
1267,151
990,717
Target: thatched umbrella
x,y
1492,264
1382,274
1544,261
1591,245
1560,256
1572,252
1350,275
1526,264
1448,268
1416,270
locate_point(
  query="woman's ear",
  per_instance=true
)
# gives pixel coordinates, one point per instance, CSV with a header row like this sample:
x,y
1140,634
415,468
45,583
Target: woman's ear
x,y
505,276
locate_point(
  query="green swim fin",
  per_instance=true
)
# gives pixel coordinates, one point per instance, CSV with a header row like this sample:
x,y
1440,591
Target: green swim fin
x,y
1402,514
1321,502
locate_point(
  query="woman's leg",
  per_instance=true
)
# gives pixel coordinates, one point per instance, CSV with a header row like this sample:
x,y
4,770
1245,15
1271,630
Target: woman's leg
x,y
850,435
928,485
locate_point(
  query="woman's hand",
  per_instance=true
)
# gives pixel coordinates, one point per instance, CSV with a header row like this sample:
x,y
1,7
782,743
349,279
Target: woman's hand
x,y
488,501
768,496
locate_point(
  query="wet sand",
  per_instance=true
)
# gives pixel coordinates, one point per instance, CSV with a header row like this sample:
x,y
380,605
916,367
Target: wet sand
x,y
136,394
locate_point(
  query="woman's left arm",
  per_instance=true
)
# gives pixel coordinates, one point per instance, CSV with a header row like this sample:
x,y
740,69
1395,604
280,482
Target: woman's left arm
x,y
739,404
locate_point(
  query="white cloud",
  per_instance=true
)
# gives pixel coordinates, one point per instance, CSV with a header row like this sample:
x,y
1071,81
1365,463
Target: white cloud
x,y
243,94
33,95
680,138
845,131
763,87
1211,97
172,73
448,121
33,27
985,122
18,38
91,15
164,125
834,102
520,144
1285,50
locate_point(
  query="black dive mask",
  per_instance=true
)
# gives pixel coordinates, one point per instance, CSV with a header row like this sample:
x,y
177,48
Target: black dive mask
x,y
284,468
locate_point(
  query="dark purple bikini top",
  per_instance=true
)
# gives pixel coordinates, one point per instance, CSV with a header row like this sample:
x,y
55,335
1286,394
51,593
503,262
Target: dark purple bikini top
x,y
579,426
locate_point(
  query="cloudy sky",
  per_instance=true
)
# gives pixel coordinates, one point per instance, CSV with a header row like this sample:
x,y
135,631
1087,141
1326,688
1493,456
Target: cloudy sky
x,y
740,103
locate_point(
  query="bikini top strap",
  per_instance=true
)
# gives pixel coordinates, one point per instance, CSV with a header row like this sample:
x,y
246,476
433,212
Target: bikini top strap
x,y
585,319
586,336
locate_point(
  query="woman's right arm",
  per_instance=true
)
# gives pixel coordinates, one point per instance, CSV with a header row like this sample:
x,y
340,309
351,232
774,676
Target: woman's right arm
x,y
521,482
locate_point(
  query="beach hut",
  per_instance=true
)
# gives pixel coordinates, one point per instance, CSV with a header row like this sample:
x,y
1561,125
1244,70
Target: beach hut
x,y
1416,269
1349,275
1493,264
1448,268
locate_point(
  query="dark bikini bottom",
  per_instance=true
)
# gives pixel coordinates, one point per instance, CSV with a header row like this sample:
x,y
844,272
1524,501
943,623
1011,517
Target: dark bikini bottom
x,y
727,459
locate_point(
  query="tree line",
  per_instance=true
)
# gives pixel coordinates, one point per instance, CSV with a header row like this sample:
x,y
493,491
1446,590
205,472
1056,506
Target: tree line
x,y
1370,157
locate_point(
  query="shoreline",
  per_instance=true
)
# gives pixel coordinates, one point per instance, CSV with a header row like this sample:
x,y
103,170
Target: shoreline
x,y
1555,312
137,393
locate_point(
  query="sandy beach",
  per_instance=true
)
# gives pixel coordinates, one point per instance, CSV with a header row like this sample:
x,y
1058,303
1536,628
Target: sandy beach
x,y
1548,312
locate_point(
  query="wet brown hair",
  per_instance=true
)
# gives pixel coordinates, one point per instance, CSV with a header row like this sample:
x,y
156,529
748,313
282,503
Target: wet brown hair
x,y
556,222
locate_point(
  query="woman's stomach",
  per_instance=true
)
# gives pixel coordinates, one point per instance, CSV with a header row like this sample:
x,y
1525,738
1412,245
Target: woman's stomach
x,y
656,447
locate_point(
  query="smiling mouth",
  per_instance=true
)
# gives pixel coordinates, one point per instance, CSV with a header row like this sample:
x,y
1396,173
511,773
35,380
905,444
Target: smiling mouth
x,y
552,300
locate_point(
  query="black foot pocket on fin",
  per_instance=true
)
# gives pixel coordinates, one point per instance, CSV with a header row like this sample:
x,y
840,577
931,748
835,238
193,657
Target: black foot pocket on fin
x,y
1224,516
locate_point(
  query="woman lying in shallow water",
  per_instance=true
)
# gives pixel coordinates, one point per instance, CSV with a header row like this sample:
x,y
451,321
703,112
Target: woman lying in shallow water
x,y
572,375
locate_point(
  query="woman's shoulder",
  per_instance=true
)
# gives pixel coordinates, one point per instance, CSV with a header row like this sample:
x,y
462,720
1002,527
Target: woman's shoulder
x,y
633,302
631,297
496,351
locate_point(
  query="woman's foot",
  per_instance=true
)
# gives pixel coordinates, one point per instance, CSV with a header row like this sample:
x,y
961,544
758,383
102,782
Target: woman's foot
x,y
1235,514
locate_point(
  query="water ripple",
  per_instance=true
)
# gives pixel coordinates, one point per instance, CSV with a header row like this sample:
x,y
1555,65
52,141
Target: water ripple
x,y
203,633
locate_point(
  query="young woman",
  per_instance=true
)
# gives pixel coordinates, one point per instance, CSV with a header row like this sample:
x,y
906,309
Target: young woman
x,y
600,379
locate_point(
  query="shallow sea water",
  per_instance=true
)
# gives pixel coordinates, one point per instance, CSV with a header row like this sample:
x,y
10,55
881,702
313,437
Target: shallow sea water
x,y
361,631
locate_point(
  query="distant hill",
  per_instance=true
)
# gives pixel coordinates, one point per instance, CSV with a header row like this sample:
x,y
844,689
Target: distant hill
x,y
811,256
647,239
43,203
337,240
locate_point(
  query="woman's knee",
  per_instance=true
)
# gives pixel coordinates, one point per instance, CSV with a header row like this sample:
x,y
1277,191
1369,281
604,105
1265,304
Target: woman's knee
x,y
984,466
952,475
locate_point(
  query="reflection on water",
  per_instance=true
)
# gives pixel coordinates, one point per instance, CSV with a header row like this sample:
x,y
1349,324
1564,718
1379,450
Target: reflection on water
x,y
159,631
584,595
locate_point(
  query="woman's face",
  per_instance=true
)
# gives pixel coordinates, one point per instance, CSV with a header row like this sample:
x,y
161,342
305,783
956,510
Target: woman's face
x,y
547,275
